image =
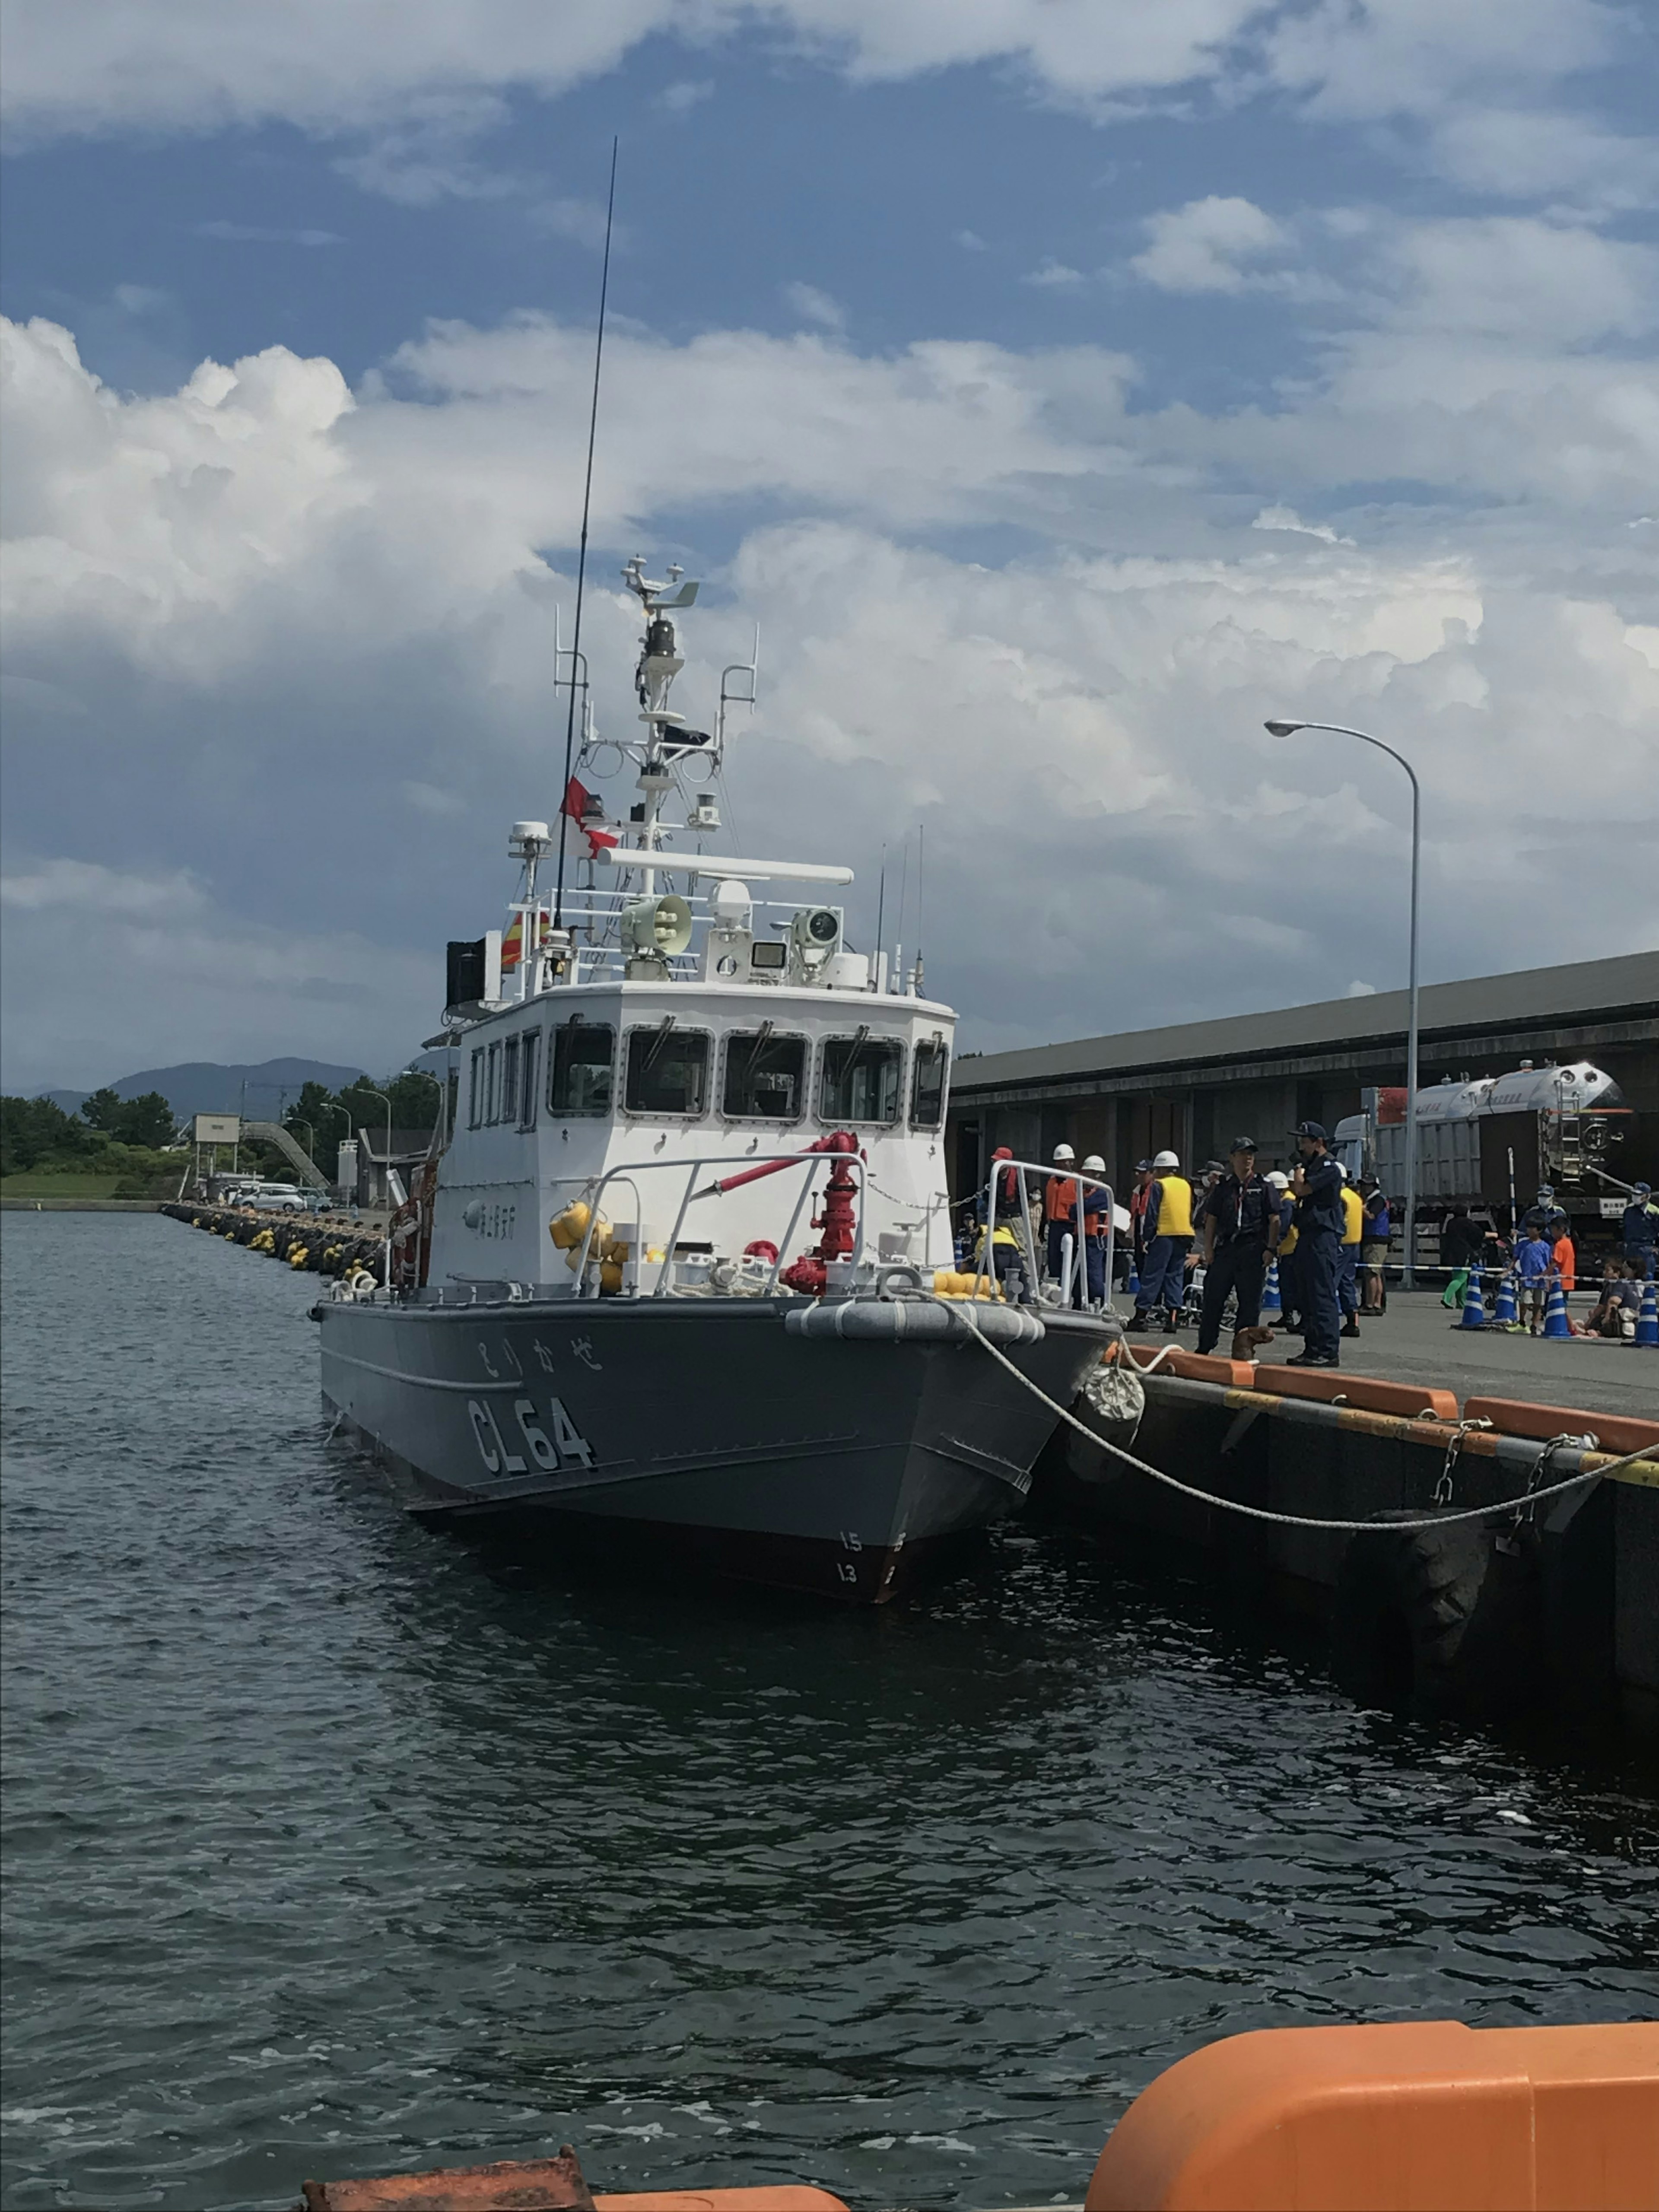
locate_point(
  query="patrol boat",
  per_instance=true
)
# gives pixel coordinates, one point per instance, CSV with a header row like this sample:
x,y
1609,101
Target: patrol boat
x,y
604,1308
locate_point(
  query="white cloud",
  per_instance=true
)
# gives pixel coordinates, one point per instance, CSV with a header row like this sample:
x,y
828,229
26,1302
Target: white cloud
x,y
1055,274
1528,153
1511,276
680,99
1287,518
195,65
1201,247
813,306
247,233
98,892
427,799
423,89
255,587
179,974
971,242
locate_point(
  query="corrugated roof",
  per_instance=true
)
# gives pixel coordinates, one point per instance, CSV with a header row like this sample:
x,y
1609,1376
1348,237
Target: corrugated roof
x,y
1625,983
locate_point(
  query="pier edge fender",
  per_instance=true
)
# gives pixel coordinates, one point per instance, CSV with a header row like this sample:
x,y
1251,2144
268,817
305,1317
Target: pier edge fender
x,y
1445,1618
1398,2112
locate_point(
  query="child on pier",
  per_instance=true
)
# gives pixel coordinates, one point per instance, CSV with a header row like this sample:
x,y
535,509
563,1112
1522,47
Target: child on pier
x,y
1532,1269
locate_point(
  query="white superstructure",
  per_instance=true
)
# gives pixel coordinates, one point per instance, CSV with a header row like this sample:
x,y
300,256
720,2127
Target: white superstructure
x,y
667,1006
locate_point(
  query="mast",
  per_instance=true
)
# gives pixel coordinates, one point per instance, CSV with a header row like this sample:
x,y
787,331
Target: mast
x,y
581,550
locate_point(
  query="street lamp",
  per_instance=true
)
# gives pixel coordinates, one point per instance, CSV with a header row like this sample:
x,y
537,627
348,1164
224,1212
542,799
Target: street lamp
x,y
1339,730
369,1091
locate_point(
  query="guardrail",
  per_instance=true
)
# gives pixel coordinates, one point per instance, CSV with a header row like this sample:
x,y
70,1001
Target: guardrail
x,y
626,1170
1073,1269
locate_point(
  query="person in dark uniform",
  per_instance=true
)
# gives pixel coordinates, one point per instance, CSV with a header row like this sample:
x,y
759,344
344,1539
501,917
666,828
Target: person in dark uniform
x,y
1319,1225
1233,1221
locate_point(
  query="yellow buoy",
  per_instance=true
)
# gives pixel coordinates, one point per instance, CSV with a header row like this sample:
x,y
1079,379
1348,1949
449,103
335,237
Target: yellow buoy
x,y
568,1228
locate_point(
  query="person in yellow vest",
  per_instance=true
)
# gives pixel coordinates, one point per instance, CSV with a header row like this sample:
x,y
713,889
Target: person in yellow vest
x,y
1353,1231
1169,1232
1281,1247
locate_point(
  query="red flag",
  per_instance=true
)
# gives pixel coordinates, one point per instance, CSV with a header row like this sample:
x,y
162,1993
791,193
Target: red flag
x,y
580,804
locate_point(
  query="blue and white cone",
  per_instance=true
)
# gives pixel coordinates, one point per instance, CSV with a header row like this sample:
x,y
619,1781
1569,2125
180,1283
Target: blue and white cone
x,y
1555,1311
1473,1314
1133,1284
1273,1306
1504,1313
1647,1322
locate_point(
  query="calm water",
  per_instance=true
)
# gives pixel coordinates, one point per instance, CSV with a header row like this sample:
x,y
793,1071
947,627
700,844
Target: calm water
x,y
335,1846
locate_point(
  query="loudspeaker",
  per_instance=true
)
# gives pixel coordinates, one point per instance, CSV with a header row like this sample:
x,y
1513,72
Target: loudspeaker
x,y
656,926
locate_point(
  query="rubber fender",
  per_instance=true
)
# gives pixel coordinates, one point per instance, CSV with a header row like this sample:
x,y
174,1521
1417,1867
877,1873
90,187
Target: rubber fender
x,y
1613,1432
1408,1401
772,2198
893,1320
1418,2116
1441,1618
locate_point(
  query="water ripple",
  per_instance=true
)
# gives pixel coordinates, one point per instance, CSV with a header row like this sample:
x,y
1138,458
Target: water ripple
x,y
334,1845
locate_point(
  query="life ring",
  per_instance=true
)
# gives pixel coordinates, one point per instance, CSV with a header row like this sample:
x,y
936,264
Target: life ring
x,y
1448,1618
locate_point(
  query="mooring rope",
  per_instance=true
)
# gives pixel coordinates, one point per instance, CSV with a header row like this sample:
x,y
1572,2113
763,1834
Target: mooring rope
x,y
1303,1520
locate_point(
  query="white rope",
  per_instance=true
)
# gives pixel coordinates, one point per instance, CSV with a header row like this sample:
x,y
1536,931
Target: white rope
x,y
1301,1520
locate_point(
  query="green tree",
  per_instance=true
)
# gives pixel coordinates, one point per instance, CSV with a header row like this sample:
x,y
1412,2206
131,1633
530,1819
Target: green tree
x,y
414,1103
148,1120
103,1110
34,1129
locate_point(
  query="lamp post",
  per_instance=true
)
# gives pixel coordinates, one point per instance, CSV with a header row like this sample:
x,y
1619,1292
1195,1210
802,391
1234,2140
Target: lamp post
x,y
1339,730
369,1091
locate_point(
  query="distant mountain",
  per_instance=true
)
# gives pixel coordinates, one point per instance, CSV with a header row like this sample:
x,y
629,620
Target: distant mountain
x,y
207,1086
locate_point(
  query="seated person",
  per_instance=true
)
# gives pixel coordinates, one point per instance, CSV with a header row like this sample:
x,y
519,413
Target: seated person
x,y
1621,1294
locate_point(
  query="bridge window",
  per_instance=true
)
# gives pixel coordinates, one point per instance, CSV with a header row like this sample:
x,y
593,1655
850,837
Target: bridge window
x,y
927,1084
507,1104
579,1071
859,1078
493,1085
765,1076
667,1070
527,1079
475,1093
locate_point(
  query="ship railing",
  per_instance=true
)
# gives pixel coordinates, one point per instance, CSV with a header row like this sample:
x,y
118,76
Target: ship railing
x,y
624,1172
1073,1274
601,906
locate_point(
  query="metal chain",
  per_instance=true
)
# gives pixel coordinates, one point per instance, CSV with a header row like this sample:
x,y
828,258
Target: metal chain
x,y
1442,1489
1288,1520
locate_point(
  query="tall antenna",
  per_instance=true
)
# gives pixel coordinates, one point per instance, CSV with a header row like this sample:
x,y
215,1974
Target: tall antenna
x,y
921,858
904,885
881,913
581,551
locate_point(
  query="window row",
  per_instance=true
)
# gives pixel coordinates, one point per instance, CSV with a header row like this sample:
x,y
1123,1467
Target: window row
x,y
666,1070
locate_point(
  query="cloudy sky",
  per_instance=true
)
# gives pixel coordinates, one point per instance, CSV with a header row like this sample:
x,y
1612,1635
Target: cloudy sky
x,y
1063,385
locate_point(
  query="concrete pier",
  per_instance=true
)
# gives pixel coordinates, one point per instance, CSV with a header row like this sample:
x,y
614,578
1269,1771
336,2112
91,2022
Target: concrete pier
x,y
1551,1605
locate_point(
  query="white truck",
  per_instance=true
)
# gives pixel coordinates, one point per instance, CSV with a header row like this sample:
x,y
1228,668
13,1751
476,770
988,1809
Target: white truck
x,y
1490,1143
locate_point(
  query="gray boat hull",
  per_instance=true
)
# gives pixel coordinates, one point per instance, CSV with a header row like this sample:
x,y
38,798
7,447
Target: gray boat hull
x,y
704,1427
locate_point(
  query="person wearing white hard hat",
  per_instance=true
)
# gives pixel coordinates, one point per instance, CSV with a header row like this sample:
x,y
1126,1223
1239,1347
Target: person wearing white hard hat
x,y
1168,1239
1059,1207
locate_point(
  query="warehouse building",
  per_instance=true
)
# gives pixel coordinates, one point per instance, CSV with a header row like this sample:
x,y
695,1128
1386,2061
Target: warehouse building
x,y
1194,1087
